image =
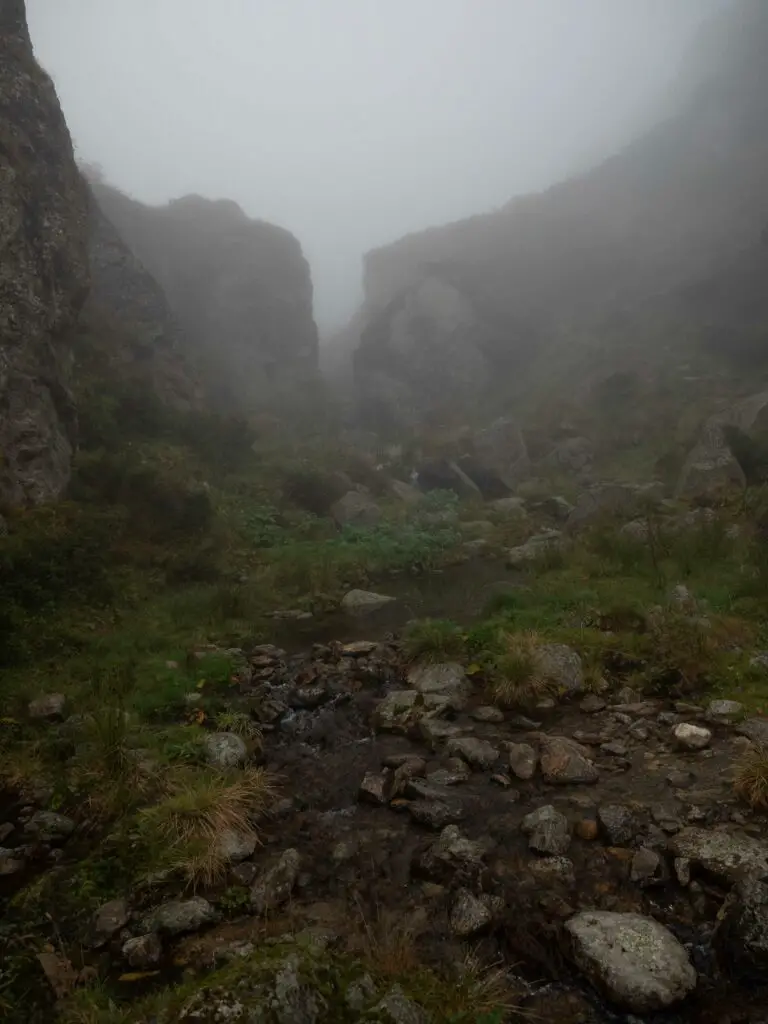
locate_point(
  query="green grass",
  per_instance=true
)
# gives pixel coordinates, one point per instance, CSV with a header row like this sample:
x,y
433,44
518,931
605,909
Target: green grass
x,y
434,640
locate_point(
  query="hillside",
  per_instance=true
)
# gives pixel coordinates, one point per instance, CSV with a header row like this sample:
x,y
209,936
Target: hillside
x,y
467,311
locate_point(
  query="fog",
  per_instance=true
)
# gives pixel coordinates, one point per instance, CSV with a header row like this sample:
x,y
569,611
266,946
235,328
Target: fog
x,y
352,122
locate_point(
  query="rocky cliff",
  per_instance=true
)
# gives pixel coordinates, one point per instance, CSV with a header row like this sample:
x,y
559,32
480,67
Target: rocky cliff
x,y
455,315
240,288
128,329
43,272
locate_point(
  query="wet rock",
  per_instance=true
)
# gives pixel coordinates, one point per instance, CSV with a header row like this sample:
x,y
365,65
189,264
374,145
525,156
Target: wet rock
x,y
401,710
360,993
292,1000
617,823
180,916
373,788
410,769
50,707
563,761
447,680
468,914
435,732
615,748
587,829
680,779
450,776
691,737
358,648
479,753
726,855
108,919
225,749
742,933
487,713
755,729
451,851
561,665
364,602
143,951
397,1008
50,827
355,509
647,867
553,871
273,888
522,760
592,704
435,813
635,961
724,711
233,846
547,829
11,863
243,874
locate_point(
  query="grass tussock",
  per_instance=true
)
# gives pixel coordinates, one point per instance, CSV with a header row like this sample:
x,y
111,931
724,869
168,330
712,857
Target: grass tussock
x,y
387,944
190,821
516,676
434,640
751,777
481,992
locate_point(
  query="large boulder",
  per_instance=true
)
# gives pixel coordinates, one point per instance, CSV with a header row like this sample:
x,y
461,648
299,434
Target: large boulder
x,y
43,272
636,962
356,509
502,449
710,466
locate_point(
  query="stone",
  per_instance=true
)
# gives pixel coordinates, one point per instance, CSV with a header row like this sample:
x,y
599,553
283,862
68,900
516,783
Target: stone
x,y
710,466
547,829
178,917
511,506
637,963
435,813
727,856
50,707
647,867
364,602
487,713
553,871
556,507
445,680
11,863
724,711
143,951
592,704
355,509
243,873
452,851
358,648
561,666
233,846
402,710
468,914
397,1008
564,762
274,886
599,501
479,753
587,829
225,749
435,731
535,547
50,827
522,760
755,729
742,930
449,776
373,788
108,919
617,823
691,737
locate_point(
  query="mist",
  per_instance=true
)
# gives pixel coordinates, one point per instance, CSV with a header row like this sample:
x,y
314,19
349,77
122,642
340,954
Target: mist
x,y
353,122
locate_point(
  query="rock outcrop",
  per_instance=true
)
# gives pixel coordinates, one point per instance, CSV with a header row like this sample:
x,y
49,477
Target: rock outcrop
x,y
240,288
130,324
43,272
457,315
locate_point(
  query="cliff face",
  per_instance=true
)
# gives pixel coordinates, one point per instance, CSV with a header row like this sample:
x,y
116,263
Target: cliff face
x,y
241,290
128,319
494,290
43,272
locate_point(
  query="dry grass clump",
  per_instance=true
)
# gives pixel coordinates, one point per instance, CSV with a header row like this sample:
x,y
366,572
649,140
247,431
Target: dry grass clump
x,y
516,675
387,944
189,823
482,991
434,640
751,777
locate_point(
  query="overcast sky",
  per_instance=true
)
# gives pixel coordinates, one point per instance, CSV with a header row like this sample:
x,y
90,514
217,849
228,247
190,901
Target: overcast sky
x,y
352,122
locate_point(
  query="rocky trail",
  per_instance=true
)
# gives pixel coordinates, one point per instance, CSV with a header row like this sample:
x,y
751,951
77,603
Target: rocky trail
x,y
595,850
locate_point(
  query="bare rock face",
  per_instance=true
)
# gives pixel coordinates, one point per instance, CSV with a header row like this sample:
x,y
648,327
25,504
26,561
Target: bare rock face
x,y
43,272
240,288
